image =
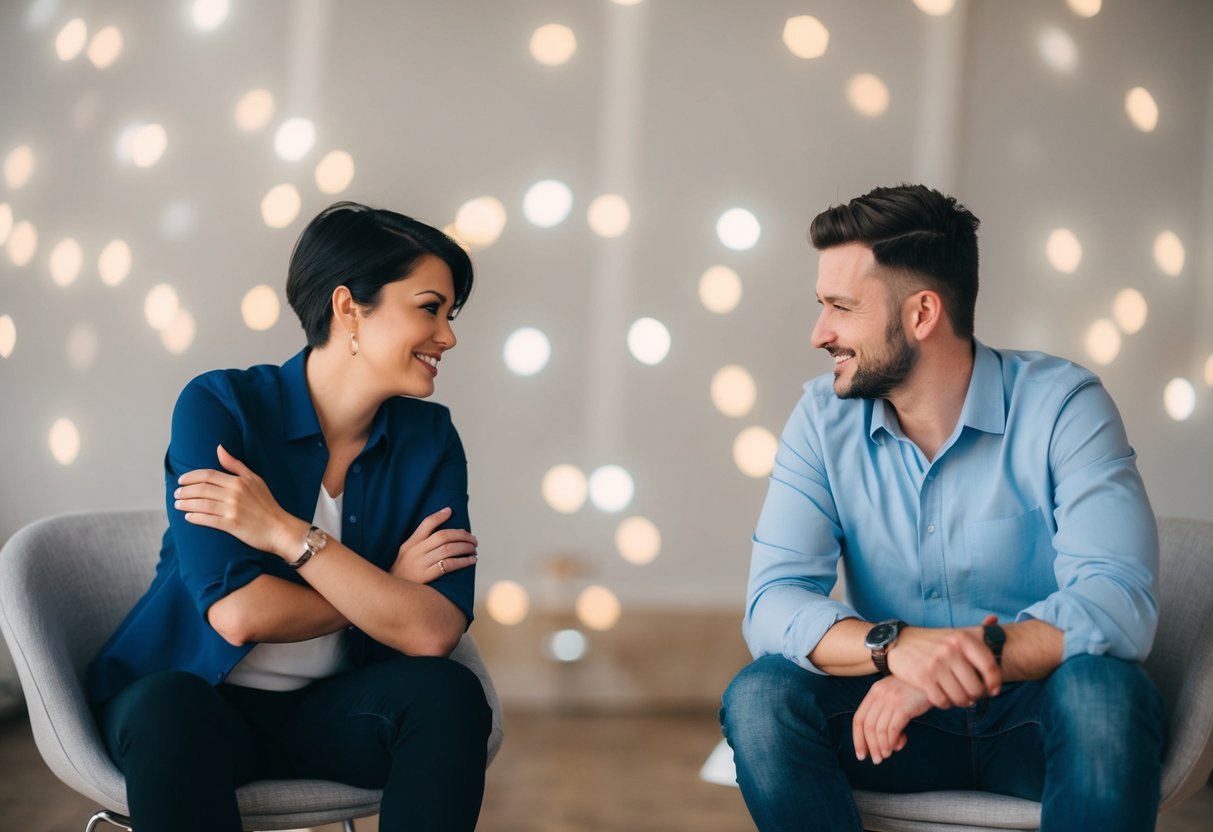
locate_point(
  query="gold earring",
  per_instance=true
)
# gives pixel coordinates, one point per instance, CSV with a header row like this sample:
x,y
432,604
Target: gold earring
x,y
353,343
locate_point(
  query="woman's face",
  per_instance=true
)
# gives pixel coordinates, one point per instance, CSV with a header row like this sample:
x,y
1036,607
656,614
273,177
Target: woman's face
x,y
402,340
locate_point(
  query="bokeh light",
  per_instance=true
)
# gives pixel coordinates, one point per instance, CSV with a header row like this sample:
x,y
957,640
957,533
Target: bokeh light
x,y
280,206
180,332
738,229
507,603
71,39
553,44
260,308
598,608
66,260
609,215
160,306
64,441
148,144
105,47
868,95
22,243
1169,253
611,488
806,37
526,351
114,263
1103,341
733,390
254,110
1129,310
1063,250
638,540
648,341
754,451
209,14
1057,49
1085,8
1208,370
8,336
82,346
1142,109
1179,399
335,172
567,646
6,222
547,203
18,166
935,8
480,221
720,289
565,488
294,138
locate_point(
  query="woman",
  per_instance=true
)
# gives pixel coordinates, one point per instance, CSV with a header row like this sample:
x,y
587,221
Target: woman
x,y
300,617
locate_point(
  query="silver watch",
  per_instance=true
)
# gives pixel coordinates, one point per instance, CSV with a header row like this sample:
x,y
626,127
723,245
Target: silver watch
x,y
315,541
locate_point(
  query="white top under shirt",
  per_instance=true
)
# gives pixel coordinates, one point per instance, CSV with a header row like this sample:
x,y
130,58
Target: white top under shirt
x,y
293,665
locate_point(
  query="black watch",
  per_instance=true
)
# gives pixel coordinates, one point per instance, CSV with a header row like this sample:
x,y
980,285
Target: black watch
x,y
880,638
995,637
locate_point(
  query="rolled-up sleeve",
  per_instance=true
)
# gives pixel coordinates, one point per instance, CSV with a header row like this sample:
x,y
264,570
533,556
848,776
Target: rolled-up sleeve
x,y
1106,539
796,549
448,488
211,563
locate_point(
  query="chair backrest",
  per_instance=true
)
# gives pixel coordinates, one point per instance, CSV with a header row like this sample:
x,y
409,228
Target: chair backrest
x,y
1181,662
65,584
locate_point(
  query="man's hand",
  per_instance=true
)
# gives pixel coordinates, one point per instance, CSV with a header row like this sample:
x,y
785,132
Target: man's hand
x,y
878,727
952,666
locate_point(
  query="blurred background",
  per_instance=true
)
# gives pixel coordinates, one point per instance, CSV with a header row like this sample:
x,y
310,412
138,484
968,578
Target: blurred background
x,y
634,180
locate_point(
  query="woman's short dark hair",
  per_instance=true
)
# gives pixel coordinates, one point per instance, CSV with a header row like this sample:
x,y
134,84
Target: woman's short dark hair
x,y
917,231
362,248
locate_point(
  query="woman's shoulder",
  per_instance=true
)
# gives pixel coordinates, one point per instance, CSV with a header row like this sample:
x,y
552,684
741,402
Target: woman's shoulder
x,y
234,388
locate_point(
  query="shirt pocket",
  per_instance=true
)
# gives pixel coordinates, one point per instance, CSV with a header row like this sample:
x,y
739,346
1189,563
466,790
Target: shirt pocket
x,y
1012,561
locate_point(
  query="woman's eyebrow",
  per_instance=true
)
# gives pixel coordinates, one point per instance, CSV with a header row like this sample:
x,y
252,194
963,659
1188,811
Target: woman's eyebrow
x,y
441,297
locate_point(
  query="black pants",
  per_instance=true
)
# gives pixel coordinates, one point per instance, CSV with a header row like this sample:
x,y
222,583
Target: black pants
x,y
414,727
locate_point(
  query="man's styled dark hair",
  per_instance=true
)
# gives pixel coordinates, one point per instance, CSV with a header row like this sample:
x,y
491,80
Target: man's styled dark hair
x,y
917,231
349,244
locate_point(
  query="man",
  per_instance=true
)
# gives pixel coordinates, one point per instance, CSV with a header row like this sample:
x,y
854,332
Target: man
x,y
1000,556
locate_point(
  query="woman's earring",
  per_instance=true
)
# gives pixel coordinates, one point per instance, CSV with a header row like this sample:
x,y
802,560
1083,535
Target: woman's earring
x,y
353,343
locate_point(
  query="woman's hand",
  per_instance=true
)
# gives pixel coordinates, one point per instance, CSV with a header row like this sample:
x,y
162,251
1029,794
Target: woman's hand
x,y
428,555
238,503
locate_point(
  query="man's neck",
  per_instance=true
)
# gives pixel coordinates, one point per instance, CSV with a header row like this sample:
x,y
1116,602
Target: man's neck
x,y
928,404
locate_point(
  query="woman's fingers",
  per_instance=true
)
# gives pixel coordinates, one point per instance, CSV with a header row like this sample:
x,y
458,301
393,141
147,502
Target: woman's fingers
x,y
426,528
445,566
230,463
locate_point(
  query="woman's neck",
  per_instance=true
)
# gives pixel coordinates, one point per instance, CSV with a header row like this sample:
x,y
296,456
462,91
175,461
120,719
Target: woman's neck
x,y
344,409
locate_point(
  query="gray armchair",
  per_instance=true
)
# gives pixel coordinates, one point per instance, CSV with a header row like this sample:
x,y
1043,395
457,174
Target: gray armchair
x,y
1181,664
65,583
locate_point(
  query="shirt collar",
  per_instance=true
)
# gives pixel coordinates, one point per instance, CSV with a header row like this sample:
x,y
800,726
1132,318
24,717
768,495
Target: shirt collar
x,y
299,419
984,408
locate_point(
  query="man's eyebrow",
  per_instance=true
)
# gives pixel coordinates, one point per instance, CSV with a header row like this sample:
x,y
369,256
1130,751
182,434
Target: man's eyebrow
x,y
850,301
440,296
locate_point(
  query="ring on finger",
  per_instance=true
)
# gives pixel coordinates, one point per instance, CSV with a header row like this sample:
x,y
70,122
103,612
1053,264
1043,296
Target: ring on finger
x,y
442,565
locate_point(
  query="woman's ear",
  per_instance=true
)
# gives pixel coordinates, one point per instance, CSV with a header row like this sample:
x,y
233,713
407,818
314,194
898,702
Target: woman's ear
x,y
345,308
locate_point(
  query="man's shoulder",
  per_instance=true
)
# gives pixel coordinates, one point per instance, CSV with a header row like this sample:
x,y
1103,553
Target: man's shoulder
x,y
1029,370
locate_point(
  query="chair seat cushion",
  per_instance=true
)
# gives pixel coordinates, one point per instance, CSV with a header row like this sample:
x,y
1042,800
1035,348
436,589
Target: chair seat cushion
x,y
946,810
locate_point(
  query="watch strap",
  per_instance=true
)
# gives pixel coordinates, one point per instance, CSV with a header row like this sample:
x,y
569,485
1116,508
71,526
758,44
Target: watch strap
x,y
309,548
995,637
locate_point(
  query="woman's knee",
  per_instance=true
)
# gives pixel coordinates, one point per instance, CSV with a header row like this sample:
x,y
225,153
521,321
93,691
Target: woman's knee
x,y
163,711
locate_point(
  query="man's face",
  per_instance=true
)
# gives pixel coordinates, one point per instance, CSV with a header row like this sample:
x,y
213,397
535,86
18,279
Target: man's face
x,y
858,327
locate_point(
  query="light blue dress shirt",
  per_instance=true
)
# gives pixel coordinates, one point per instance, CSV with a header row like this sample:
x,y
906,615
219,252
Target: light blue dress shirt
x,y
1032,509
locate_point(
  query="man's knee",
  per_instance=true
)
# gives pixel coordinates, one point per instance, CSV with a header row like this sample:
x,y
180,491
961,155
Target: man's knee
x,y
769,696
1108,704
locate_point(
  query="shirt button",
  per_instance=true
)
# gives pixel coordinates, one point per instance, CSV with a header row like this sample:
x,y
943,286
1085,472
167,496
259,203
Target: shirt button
x,y
931,529
353,518
319,443
357,468
933,595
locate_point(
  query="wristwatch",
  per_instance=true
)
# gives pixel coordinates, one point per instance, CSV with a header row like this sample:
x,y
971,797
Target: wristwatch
x,y
880,639
315,541
995,637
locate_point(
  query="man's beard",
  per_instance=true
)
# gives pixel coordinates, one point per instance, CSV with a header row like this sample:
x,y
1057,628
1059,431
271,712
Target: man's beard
x,y
876,378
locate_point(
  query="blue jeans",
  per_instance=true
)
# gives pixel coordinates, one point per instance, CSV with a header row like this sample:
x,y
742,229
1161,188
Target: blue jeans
x,y
1086,742
415,727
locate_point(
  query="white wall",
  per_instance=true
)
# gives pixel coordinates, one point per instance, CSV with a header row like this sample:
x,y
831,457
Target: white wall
x,y
687,108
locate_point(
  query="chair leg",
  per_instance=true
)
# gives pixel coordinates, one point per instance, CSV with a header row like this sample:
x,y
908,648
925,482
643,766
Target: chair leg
x,y
349,825
112,818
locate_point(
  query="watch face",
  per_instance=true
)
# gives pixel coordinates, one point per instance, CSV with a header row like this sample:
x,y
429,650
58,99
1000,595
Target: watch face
x,y
881,635
316,539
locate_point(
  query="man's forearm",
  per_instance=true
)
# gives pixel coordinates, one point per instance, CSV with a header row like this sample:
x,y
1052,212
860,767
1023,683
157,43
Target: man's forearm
x,y
1033,650
841,652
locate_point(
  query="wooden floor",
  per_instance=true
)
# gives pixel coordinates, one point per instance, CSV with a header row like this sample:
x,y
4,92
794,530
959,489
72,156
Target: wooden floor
x,y
554,774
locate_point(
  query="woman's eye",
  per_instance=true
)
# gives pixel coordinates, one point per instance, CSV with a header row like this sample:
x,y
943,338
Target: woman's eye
x,y
432,308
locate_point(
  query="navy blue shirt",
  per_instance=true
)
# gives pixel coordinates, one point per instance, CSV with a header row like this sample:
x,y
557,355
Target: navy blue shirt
x,y
412,465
